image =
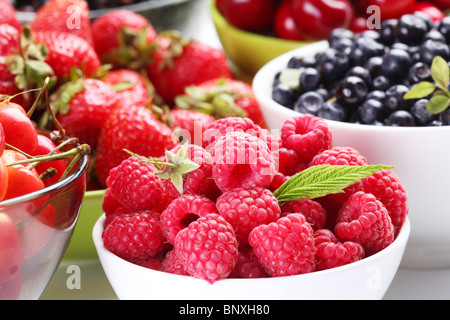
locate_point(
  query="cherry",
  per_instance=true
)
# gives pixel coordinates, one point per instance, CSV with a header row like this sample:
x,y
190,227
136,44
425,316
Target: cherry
x,y
2,140
431,10
11,257
44,147
388,9
18,128
315,19
284,25
3,180
250,15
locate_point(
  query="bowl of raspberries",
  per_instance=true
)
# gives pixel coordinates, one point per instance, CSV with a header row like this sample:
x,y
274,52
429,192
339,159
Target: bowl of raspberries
x,y
384,93
234,217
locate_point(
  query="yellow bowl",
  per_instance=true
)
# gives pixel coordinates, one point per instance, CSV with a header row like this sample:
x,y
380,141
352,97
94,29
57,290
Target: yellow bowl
x,y
81,246
249,51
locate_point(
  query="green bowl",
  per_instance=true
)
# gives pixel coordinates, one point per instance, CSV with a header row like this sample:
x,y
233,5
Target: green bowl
x,y
81,246
249,51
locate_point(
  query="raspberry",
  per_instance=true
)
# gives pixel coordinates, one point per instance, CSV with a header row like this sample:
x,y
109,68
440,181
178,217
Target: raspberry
x,y
340,156
331,253
387,187
290,162
223,126
207,248
172,264
306,134
152,263
285,247
365,220
277,181
135,236
182,211
200,181
134,184
109,202
246,209
242,160
248,266
313,211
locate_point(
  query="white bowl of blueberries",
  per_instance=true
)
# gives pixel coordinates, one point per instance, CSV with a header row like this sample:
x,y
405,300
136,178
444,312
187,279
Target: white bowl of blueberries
x,y
358,82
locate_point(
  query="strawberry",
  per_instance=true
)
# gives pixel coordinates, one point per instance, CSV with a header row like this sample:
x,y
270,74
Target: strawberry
x,y
133,128
64,16
222,97
82,107
22,65
131,87
178,63
8,14
67,52
123,38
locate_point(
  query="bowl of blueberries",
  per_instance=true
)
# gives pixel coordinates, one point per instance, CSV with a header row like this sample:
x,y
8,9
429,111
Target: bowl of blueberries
x,y
385,93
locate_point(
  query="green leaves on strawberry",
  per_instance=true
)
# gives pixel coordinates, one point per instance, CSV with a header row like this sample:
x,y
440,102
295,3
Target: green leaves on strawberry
x,y
440,100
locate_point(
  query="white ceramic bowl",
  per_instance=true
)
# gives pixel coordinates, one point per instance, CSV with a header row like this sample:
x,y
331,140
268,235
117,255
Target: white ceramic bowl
x,y
363,280
421,156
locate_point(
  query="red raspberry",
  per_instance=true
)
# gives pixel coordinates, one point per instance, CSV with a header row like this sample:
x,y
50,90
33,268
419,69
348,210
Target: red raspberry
x,y
306,134
290,162
248,266
242,160
331,253
246,209
207,248
109,202
277,181
200,181
313,211
183,211
135,236
222,126
173,264
387,187
365,220
152,263
285,247
134,184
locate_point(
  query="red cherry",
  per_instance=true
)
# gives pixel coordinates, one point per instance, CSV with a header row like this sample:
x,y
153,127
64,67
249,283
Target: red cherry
x,y
359,24
3,179
11,257
18,128
44,147
315,19
2,140
250,15
284,25
431,10
443,4
389,9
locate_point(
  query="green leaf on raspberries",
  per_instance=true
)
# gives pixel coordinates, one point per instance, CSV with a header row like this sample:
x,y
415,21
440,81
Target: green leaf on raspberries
x,y
321,180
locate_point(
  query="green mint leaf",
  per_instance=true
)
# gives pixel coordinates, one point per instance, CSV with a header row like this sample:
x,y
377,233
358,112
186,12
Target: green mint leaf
x,y
438,104
422,90
318,181
440,72
291,78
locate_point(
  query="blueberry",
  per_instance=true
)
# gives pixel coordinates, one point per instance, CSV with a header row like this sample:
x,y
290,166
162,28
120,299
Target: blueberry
x,y
444,28
309,103
340,33
434,35
371,111
432,48
309,79
298,62
411,29
388,31
445,117
379,95
343,45
361,72
373,65
284,95
351,91
332,65
332,110
364,48
396,64
400,118
425,17
421,116
381,83
394,98
419,72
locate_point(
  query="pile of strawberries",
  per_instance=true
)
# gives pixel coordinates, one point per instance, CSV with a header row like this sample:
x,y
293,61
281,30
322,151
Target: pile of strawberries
x,y
245,203
115,82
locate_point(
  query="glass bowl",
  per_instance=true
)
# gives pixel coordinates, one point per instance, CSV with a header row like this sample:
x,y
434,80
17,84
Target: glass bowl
x,y
36,230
